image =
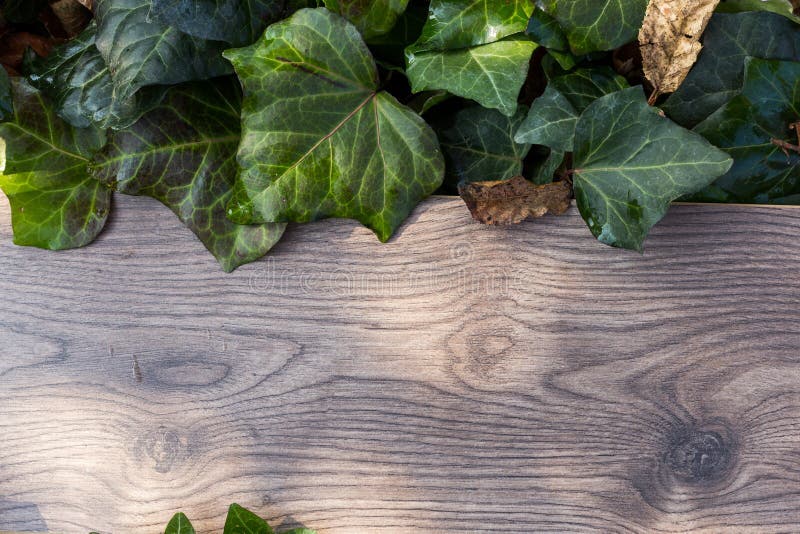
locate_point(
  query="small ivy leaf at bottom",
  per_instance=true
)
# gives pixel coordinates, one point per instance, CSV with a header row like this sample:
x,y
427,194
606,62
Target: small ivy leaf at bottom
x,y
179,524
242,521
630,163
55,202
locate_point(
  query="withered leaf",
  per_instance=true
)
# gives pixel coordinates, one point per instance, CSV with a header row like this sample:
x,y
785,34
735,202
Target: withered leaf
x,y
512,201
670,40
72,14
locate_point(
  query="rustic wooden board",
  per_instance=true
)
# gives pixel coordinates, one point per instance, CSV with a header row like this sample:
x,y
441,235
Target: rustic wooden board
x,y
458,379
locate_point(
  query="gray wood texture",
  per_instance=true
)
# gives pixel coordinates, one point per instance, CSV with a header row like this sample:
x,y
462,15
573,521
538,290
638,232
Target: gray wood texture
x,y
460,378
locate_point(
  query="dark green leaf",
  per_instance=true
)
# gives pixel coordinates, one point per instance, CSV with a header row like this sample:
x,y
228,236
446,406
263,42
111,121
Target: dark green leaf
x,y
243,521
718,74
782,7
140,53
553,116
371,17
768,104
478,146
491,74
6,102
55,202
551,122
233,21
630,163
319,140
183,153
454,24
75,77
596,25
545,30
390,47
542,163
179,524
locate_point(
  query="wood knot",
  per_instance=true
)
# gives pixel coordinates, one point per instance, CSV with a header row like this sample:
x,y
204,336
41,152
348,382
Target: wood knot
x,y
699,456
161,448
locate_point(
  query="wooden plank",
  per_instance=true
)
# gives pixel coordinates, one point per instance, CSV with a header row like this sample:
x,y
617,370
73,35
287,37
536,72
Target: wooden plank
x,y
458,379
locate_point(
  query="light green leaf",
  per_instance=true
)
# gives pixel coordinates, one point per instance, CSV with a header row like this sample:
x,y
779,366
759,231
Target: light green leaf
x,y
745,127
243,521
140,53
478,145
454,24
75,78
319,139
719,72
179,524
183,153
235,22
55,202
597,25
371,17
781,7
491,74
630,163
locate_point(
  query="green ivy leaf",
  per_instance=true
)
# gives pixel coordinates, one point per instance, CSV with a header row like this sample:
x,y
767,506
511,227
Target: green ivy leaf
x,y
454,24
232,21
141,53
390,47
75,78
542,168
491,74
183,153
545,30
6,101
597,25
550,122
782,7
243,521
768,103
371,17
55,202
478,145
630,163
319,139
718,74
179,524
553,116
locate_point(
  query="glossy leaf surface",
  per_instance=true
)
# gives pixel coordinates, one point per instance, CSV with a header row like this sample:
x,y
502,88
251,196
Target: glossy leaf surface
x,y
338,147
630,163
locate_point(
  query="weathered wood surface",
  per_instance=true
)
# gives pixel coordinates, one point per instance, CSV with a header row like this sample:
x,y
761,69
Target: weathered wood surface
x,y
458,379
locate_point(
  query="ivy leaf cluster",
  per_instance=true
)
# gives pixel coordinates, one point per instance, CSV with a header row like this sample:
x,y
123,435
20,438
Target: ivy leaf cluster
x,y
242,117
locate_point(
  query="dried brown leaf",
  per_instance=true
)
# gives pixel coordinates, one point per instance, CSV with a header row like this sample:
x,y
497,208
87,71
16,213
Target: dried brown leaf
x,y
13,46
512,201
72,15
670,40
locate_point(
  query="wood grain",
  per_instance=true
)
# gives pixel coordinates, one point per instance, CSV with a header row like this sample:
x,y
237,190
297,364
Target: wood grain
x,y
458,379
